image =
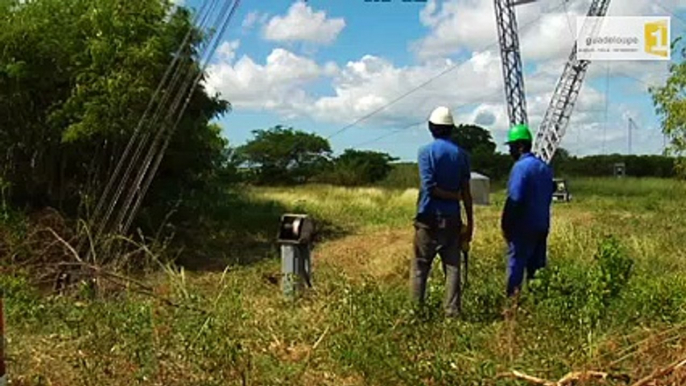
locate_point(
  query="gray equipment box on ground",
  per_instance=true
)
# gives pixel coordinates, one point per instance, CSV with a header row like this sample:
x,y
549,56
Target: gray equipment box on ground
x,y
480,187
296,232
619,170
561,190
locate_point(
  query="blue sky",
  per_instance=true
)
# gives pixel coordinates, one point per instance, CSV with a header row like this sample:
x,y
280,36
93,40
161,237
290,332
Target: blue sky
x,y
321,65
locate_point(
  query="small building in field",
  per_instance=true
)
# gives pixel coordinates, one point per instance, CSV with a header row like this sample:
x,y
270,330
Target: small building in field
x,y
619,169
481,188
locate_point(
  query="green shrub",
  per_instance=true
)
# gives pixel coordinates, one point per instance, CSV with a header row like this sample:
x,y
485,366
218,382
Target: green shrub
x,y
581,295
23,303
357,168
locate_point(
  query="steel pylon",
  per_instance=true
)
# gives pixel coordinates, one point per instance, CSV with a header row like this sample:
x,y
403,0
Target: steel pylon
x,y
556,118
513,75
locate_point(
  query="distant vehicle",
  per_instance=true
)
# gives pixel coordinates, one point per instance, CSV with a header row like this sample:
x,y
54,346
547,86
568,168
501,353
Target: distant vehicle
x,y
561,190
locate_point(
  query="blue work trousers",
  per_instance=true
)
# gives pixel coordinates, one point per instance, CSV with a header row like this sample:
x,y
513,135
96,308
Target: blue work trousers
x,y
525,253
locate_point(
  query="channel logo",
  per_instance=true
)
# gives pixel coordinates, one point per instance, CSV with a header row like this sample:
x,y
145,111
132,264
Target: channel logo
x,y
657,38
623,38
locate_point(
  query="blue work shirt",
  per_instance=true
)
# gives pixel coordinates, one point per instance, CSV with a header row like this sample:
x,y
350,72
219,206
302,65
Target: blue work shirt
x,y
445,165
530,193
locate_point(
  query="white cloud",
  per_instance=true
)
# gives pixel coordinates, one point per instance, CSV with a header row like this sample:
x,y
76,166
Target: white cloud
x,y
458,25
472,90
281,83
546,29
598,136
641,73
250,19
227,50
550,38
302,23
358,88
253,18
275,85
644,7
455,25
367,84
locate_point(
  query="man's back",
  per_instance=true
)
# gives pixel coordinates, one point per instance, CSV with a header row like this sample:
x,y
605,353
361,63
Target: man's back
x,y
531,186
441,164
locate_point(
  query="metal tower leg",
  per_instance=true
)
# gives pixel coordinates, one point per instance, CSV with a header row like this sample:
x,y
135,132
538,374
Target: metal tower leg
x,y
556,119
508,37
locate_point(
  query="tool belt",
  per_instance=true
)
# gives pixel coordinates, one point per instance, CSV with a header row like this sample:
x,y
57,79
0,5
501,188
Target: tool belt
x,y
436,221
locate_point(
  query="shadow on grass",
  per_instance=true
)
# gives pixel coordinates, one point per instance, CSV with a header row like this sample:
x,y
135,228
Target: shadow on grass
x,y
243,231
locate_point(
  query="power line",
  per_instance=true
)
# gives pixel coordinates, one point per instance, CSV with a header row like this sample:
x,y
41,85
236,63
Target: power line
x,y
485,97
393,132
563,4
414,89
607,105
480,100
446,71
654,132
165,118
569,23
650,135
172,71
388,134
179,113
162,118
632,126
631,77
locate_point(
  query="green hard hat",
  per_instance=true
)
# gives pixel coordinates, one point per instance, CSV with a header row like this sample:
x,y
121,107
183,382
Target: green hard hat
x,y
519,133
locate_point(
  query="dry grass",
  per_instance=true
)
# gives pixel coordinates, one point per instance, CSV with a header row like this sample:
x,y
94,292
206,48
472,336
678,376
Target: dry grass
x,y
384,255
353,327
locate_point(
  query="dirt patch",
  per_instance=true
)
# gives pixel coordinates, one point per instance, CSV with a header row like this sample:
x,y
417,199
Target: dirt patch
x,y
385,254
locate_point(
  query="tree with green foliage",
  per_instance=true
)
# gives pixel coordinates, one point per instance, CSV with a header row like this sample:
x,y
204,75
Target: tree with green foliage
x,y
284,155
479,143
602,165
670,103
560,159
474,139
360,167
75,79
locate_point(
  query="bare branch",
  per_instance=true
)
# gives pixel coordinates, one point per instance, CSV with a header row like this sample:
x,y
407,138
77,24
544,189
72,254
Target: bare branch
x,y
661,372
519,375
66,244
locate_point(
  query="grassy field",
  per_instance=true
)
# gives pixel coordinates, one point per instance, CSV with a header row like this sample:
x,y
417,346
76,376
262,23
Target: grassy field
x,y
613,299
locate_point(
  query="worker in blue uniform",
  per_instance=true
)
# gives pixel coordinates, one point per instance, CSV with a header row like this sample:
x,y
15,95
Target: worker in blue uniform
x,y
444,170
526,217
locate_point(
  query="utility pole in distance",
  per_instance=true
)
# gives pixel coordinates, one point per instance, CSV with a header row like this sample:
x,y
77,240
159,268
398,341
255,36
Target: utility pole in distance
x,y
632,125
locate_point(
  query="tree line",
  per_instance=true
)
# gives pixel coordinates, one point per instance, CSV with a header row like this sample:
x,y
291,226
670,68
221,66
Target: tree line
x,y
77,75
75,79
282,155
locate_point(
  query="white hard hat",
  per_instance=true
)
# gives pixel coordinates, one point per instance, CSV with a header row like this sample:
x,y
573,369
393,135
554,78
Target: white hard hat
x,y
441,116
